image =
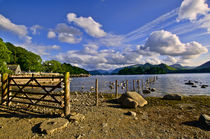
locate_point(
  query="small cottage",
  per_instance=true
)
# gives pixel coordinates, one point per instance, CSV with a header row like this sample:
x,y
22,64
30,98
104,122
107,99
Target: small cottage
x,y
14,68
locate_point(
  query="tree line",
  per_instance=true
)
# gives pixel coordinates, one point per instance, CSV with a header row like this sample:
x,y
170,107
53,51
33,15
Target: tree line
x,y
28,61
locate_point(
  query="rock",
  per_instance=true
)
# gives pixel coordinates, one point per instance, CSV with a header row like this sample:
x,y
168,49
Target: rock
x,y
204,86
153,89
205,120
131,113
194,86
189,83
172,97
52,125
129,103
76,117
137,97
146,91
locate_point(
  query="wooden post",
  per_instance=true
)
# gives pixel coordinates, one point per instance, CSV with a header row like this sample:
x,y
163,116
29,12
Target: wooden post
x,y
96,90
8,90
142,85
116,89
4,87
134,85
67,94
138,86
126,85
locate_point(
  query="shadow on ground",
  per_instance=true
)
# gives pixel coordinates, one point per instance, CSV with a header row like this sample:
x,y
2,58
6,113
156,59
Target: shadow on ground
x,y
196,124
9,112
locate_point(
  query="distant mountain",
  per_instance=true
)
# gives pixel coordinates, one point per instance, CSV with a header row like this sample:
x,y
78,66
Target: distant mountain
x,y
99,72
146,69
205,65
180,67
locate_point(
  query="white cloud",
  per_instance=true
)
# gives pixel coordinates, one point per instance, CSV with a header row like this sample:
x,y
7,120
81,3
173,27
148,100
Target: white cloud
x,y
35,29
66,34
51,34
191,9
166,43
90,26
6,24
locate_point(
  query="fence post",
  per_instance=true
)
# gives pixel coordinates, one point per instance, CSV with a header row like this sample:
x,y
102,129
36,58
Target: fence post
x,y
67,94
142,85
96,90
116,89
138,86
4,88
8,89
134,85
126,85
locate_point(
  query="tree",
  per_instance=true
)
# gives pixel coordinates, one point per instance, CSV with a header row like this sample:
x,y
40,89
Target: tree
x,y
4,57
52,66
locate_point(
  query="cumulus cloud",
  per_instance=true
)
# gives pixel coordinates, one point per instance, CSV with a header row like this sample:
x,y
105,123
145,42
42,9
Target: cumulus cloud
x,y
166,43
66,34
90,26
51,34
34,29
191,9
6,24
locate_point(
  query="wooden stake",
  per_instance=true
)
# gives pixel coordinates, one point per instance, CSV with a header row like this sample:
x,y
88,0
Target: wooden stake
x,y
116,89
4,87
134,85
142,85
138,86
96,90
67,94
126,85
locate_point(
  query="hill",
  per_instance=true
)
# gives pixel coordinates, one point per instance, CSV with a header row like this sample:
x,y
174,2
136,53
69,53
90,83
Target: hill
x,y
146,69
29,61
205,65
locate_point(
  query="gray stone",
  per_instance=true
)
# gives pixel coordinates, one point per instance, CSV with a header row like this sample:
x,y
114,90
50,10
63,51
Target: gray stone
x,y
189,83
172,97
129,103
204,86
52,125
137,97
153,89
205,120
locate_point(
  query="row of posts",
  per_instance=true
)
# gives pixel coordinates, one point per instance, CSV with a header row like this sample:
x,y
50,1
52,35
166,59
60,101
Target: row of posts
x,y
139,89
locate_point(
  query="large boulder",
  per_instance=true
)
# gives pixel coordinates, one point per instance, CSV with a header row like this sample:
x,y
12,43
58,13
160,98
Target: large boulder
x,y
137,97
127,102
205,120
172,97
132,100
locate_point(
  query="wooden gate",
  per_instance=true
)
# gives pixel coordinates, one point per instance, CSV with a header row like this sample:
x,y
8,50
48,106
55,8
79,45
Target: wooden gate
x,y
21,90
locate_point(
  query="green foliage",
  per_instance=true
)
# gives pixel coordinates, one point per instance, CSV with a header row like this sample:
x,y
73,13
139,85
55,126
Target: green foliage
x,y
27,60
57,67
4,52
52,66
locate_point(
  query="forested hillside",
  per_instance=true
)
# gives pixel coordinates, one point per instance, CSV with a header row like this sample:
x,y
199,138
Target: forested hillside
x,y
28,61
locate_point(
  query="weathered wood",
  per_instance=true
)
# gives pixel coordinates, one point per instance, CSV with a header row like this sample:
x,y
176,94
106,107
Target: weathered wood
x,y
96,91
4,87
48,77
67,94
45,100
142,85
138,85
8,90
35,93
30,85
134,85
126,85
116,89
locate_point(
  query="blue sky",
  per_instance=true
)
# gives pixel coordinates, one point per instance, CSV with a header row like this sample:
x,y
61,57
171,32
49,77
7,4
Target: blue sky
x,y
107,34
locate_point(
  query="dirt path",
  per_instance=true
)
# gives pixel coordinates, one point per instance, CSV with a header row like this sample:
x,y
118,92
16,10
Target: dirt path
x,y
159,119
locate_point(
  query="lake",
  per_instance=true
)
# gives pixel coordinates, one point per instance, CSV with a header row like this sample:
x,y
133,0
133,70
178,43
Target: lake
x,y
166,83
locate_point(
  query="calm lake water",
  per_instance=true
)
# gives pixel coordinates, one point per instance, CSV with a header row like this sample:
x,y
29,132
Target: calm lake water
x,y
166,83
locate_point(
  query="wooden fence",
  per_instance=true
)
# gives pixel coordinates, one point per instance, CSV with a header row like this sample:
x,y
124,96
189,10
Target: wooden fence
x,y
21,90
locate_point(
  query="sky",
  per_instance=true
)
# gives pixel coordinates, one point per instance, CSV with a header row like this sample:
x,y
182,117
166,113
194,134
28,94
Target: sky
x,y
108,34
